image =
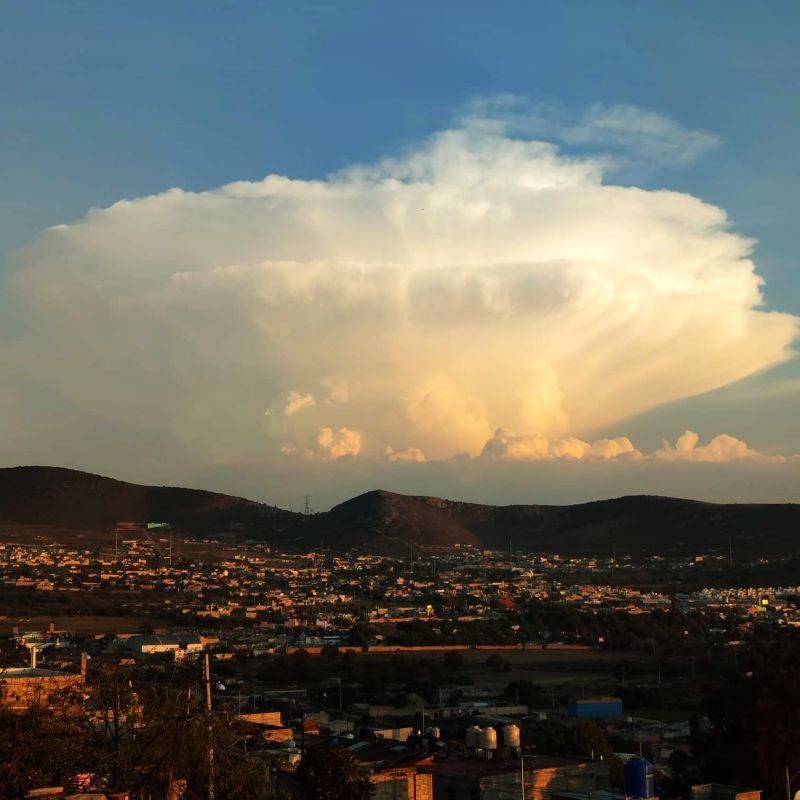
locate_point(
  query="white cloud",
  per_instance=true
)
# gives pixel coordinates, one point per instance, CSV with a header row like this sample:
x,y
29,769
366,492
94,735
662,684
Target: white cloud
x,y
479,282
539,448
297,402
412,454
720,449
338,390
337,445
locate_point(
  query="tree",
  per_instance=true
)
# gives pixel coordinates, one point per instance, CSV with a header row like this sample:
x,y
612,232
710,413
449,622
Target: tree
x,y
41,745
453,660
331,773
143,743
754,722
495,662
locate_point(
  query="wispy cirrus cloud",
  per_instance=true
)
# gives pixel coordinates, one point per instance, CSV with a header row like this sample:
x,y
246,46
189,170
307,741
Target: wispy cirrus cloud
x,y
624,133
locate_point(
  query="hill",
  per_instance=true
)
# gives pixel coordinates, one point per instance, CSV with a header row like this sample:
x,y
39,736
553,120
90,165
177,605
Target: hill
x,y
67,498
385,522
635,525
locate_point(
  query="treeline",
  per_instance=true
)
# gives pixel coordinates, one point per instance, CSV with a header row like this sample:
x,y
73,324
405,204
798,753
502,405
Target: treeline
x,y
145,742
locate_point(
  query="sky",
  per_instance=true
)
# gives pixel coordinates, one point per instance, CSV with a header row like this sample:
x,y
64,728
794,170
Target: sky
x,y
545,252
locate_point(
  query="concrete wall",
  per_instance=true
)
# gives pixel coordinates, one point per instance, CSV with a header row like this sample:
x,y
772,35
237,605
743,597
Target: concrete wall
x,y
402,784
22,692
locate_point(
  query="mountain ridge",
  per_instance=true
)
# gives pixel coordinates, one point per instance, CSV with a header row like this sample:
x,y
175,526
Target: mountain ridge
x,y
381,521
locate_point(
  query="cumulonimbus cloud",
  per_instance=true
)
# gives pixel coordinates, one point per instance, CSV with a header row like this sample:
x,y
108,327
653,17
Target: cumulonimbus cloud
x,y
483,294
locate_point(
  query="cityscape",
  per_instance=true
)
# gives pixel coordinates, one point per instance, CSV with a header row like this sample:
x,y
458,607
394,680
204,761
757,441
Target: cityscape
x,y
442,672
399,401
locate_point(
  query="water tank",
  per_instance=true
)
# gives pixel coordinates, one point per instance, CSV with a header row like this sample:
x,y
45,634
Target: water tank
x,y
488,738
639,778
473,737
511,735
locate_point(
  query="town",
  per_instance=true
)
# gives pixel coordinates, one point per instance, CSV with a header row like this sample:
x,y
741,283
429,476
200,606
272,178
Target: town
x,y
447,673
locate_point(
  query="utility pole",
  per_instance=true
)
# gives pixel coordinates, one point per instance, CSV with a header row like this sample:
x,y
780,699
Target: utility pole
x,y
789,779
522,774
207,681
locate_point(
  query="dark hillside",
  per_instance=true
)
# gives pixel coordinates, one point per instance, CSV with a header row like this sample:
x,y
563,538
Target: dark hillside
x,y
385,522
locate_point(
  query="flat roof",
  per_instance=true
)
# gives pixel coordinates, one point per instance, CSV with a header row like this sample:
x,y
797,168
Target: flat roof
x,y
479,768
16,673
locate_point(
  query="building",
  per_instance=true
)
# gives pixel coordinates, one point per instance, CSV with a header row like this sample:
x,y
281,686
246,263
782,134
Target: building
x,y
150,644
396,771
543,776
23,687
594,708
721,791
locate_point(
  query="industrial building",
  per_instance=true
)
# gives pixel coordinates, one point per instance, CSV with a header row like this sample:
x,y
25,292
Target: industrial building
x,y
595,708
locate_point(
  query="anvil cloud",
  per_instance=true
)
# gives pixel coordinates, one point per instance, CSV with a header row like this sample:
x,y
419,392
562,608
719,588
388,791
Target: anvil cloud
x,y
482,294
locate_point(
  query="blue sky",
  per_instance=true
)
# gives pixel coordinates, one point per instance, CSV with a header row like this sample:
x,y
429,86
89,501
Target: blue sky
x,y
111,100
103,101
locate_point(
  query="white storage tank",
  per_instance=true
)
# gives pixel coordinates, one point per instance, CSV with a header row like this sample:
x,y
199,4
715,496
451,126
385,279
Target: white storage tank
x,y
488,740
473,738
511,736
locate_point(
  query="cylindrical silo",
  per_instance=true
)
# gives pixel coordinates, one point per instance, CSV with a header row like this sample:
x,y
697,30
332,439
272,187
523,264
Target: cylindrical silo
x,y
511,736
488,740
473,738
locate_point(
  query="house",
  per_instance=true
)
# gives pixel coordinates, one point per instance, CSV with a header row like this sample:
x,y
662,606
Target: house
x,y
544,776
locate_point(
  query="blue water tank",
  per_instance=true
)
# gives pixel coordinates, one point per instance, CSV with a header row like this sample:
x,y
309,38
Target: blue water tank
x,y
639,778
